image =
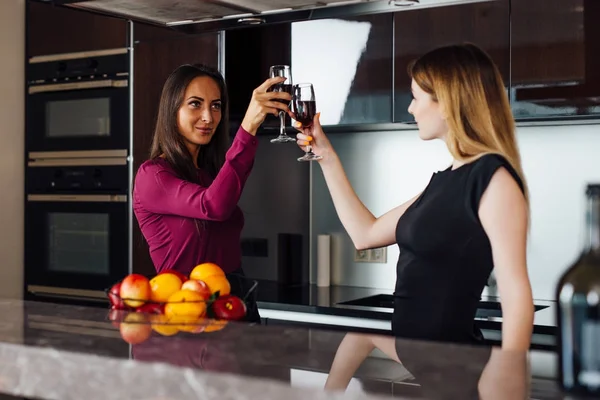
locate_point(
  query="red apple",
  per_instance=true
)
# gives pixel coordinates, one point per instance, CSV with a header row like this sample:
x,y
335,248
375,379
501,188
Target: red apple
x,y
135,329
135,290
179,274
197,286
229,307
114,297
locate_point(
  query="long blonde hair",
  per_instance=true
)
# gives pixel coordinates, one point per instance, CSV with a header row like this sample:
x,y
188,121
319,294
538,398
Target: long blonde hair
x,y
464,80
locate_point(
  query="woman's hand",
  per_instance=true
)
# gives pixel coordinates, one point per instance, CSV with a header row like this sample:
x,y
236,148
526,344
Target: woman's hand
x,y
314,137
263,103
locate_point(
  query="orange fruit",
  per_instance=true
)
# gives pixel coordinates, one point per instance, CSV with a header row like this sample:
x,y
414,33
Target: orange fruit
x,y
218,283
185,303
163,286
203,271
215,325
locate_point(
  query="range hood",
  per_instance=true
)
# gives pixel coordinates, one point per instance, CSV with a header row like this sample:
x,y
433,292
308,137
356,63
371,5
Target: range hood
x,y
209,15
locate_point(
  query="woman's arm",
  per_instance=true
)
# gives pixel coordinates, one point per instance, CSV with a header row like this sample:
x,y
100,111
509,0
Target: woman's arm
x,y
365,230
161,191
503,214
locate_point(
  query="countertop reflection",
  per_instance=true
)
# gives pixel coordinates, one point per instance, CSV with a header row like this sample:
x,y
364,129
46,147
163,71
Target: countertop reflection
x,y
276,359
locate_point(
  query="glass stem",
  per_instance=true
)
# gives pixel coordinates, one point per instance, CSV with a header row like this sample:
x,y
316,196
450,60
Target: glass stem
x,y
281,123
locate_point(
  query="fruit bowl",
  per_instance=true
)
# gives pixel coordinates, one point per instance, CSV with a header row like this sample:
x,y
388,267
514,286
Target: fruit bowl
x,y
183,301
171,302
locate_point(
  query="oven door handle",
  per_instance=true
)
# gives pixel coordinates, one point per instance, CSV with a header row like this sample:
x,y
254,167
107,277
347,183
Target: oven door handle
x,y
82,198
61,87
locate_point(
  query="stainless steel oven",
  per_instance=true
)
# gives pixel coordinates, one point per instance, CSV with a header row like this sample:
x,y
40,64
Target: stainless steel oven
x,y
77,224
78,102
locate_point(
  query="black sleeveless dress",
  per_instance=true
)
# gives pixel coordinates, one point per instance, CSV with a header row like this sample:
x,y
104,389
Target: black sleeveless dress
x,y
445,255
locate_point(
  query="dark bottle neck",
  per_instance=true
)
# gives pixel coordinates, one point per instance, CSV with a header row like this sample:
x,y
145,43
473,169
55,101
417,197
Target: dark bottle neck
x,y
593,224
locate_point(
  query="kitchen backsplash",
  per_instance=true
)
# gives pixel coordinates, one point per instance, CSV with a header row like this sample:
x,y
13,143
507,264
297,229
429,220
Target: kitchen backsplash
x,y
275,202
388,168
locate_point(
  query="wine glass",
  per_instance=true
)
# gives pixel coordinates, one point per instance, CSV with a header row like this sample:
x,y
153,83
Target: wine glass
x,y
285,86
305,108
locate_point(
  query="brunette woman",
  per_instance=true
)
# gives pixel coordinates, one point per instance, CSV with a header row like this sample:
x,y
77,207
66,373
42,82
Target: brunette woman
x,y
186,195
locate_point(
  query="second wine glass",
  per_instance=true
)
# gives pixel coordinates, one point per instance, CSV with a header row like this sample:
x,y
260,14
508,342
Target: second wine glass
x,y
304,108
286,86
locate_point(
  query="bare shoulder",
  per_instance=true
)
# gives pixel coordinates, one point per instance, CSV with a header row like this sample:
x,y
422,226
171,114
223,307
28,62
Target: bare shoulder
x,y
503,203
503,187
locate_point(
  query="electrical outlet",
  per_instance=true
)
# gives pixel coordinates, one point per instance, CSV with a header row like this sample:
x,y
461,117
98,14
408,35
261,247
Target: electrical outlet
x,y
255,247
378,255
361,255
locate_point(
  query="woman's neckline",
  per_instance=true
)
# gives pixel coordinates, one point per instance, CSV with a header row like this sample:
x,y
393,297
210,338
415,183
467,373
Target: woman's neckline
x,y
449,169
162,157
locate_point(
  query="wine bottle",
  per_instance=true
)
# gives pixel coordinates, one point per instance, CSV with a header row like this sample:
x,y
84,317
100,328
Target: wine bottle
x,y
578,310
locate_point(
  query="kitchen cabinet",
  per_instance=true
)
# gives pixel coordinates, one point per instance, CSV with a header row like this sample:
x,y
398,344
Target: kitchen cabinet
x,y
249,52
349,62
418,31
56,29
157,52
555,57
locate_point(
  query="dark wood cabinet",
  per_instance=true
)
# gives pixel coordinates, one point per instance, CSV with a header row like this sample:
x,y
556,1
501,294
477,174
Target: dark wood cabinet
x,y
548,52
416,32
57,29
157,52
555,58
349,62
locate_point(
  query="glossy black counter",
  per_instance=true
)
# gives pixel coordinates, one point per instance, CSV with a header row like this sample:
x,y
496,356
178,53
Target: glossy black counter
x,y
311,299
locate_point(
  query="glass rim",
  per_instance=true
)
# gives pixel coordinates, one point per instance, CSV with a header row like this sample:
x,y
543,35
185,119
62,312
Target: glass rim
x,y
279,66
303,84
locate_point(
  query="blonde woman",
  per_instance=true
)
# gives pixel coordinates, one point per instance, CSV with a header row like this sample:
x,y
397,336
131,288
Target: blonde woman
x,y
471,218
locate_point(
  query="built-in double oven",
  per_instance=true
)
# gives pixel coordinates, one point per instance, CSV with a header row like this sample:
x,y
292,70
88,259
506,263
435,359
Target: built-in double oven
x,y
78,174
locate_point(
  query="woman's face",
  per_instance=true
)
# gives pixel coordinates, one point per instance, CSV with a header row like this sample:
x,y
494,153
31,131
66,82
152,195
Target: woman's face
x,y
200,113
428,114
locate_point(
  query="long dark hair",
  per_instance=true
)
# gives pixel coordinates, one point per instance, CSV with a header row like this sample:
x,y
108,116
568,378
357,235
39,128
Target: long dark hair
x,y
167,139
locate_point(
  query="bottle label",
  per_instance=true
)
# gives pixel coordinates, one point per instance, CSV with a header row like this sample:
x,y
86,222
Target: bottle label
x,y
590,357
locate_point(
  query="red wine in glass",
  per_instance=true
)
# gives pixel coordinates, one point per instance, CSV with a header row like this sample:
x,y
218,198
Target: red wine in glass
x,y
305,108
305,112
281,87
285,86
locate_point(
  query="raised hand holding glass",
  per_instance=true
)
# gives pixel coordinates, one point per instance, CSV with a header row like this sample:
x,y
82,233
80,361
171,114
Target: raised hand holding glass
x,y
304,108
286,86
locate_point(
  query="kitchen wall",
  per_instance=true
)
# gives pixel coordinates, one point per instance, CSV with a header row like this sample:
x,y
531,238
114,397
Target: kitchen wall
x,y
276,201
388,168
12,110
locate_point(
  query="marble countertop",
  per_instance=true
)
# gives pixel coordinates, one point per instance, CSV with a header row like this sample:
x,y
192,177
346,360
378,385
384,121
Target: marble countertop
x,y
58,351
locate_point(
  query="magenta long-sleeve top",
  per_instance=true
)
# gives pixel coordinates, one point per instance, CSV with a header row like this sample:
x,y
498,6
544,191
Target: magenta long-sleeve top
x,y
185,223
